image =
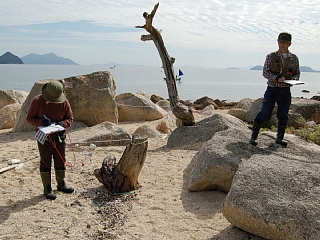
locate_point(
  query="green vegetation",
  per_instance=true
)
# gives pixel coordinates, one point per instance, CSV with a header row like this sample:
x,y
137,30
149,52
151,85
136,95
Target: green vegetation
x,y
310,134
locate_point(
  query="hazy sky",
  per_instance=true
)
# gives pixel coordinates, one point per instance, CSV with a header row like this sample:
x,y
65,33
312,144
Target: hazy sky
x,y
203,33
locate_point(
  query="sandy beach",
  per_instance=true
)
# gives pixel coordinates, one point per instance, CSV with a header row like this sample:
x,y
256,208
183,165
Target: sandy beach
x,y
161,209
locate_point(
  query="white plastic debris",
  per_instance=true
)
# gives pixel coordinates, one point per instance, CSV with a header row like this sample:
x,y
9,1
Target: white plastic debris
x,y
19,166
165,136
13,161
89,154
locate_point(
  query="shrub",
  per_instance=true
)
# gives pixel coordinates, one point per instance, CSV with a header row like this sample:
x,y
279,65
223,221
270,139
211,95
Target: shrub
x,y
310,134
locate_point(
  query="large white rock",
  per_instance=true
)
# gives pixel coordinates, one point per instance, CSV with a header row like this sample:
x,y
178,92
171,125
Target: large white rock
x,y
91,97
10,104
273,192
136,107
276,193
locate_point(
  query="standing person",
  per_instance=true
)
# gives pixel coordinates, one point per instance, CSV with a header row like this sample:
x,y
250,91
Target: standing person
x,y
51,106
278,67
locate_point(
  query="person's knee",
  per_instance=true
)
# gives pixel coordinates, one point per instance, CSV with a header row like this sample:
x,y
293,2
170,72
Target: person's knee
x,y
262,117
60,168
45,169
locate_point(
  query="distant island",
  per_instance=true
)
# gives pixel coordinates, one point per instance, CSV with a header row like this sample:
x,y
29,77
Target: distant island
x,y
9,58
307,69
302,68
257,67
50,58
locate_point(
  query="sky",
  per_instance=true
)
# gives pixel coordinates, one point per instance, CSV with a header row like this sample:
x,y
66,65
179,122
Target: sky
x,y
202,33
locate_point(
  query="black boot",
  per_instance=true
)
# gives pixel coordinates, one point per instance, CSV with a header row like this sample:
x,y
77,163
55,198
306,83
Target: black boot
x,y
62,186
255,132
280,135
46,181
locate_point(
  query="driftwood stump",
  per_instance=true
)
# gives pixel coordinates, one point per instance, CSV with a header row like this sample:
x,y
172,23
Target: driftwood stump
x,y
179,110
123,176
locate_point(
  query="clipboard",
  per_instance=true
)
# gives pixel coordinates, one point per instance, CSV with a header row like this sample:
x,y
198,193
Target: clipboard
x,y
43,132
294,82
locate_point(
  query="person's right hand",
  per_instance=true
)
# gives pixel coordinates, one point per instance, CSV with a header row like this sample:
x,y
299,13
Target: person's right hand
x,y
46,122
280,78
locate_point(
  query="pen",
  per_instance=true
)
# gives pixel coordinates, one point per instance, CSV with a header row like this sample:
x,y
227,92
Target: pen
x,y
48,118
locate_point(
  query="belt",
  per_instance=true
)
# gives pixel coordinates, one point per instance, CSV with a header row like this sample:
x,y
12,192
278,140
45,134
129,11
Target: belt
x,y
280,87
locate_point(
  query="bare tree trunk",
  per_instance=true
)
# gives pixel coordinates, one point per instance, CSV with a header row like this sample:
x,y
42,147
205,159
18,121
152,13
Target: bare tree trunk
x,y
123,177
179,110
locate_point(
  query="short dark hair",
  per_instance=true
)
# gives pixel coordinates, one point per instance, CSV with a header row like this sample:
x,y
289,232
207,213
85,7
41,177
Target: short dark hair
x,y
284,37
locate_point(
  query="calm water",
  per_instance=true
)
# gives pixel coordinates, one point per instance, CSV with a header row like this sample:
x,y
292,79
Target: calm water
x,y
223,84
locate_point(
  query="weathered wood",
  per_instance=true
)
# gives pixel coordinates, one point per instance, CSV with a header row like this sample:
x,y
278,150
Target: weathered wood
x,y
122,142
5,169
123,176
179,110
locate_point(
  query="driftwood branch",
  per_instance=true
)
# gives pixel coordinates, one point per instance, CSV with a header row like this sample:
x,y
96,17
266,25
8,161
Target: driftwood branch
x,y
5,169
123,176
179,110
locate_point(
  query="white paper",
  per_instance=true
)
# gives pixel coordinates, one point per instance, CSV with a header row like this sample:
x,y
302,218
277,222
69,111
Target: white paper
x,y
51,129
294,82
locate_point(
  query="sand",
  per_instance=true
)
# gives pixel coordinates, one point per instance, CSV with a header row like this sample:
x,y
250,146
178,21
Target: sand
x,y
161,209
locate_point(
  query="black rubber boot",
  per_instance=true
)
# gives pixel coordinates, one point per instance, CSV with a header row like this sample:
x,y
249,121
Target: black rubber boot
x,y
280,135
46,181
62,186
255,132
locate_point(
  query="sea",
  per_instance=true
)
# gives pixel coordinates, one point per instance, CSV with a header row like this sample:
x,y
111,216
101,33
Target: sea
x,y
223,84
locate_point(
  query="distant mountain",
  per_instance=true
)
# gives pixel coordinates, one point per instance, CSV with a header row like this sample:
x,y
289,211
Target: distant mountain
x,y
302,68
49,58
9,58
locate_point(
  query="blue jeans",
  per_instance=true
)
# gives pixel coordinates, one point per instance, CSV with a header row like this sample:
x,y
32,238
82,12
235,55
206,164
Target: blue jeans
x,y
281,96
